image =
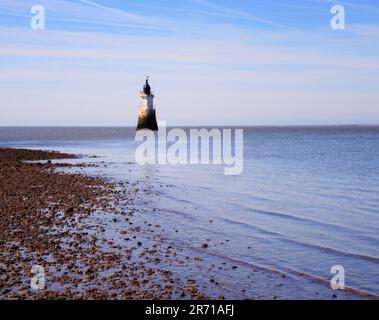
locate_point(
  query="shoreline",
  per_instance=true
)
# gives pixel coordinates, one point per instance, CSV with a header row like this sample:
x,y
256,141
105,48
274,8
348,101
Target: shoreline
x,y
96,239
48,218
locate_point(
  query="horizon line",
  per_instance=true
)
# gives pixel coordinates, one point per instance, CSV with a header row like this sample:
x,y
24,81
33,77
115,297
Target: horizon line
x,y
203,126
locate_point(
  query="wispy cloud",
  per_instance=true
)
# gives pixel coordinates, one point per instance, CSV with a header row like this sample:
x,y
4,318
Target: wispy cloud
x,y
84,12
234,13
115,11
359,5
215,52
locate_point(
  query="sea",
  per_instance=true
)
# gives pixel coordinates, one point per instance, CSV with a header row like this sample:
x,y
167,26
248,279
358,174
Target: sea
x,y
305,205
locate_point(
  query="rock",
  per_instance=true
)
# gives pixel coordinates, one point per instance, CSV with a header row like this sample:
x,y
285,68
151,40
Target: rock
x,y
69,211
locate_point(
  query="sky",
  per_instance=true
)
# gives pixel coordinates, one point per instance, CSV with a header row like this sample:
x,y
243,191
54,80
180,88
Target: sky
x,y
210,62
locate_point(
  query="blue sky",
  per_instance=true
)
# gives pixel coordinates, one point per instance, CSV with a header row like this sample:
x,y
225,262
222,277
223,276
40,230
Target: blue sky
x,y
244,62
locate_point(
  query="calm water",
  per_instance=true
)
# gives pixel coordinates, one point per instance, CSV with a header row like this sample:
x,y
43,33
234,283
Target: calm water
x,y
306,200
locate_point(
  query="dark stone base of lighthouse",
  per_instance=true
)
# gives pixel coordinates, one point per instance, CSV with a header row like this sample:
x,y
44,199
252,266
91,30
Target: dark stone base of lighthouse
x,y
147,120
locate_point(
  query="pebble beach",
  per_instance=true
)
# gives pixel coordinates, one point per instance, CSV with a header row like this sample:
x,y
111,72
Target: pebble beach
x,y
48,219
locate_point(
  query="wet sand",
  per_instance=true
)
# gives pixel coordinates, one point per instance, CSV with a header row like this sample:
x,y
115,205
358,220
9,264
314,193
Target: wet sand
x,y
48,218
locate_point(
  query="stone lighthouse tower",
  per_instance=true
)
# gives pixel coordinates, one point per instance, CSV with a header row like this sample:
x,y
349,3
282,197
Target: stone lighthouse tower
x,y
146,112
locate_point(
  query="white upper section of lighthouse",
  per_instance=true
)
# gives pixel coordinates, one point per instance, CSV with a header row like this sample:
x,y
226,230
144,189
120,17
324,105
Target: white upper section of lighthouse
x,y
146,97
146,102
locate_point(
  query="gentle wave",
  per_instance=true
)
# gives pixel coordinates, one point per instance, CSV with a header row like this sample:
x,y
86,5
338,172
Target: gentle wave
x,y
294,218
290,272
305,244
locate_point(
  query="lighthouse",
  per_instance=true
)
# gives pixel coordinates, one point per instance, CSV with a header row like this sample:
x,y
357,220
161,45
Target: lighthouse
x,y
146,112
